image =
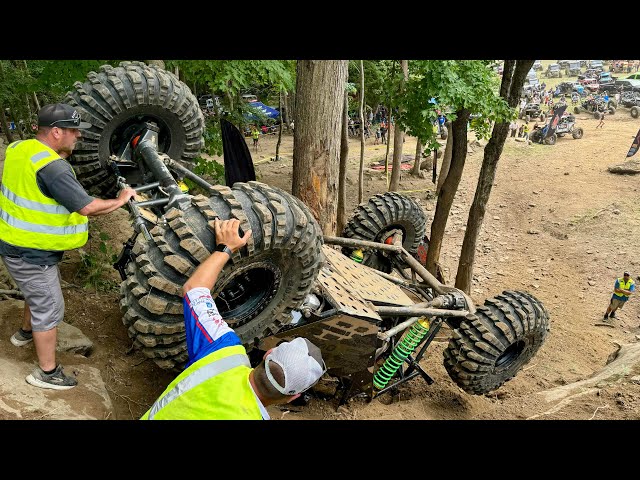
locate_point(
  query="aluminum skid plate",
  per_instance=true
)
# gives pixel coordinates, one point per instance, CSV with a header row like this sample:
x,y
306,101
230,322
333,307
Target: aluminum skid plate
x,y
343,279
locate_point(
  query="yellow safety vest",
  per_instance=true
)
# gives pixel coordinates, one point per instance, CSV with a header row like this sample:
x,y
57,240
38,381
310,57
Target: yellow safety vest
x,y
623,286
255,134
28,218
215,387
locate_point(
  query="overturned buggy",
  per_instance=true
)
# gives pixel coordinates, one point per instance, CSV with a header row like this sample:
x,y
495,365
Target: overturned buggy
x,y
370,304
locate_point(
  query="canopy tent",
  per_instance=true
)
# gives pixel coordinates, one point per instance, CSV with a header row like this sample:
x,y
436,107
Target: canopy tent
x,y
266,110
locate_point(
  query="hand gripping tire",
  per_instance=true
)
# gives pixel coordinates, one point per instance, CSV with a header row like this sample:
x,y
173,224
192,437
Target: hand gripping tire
x,y
490,347
374,220
116,98
255,293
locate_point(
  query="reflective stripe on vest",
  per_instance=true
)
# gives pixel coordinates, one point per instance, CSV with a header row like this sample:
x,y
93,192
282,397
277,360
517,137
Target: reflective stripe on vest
x,y
28,218
623,286
199,376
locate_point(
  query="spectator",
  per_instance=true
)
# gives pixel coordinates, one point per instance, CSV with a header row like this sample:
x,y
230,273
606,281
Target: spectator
x,y
525,131
601,124
513,128
255,134
622,289
383,132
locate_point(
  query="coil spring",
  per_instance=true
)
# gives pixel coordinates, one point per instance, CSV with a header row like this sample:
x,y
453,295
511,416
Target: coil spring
x,y
407,345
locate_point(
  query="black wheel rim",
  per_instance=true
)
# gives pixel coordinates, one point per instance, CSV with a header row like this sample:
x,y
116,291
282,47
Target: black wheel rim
x,y
247,293
510,355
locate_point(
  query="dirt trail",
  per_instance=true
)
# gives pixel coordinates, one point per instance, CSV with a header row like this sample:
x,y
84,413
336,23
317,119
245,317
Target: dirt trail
x,y
558,225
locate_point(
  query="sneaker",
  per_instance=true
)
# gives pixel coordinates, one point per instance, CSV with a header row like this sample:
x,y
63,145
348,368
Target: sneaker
x,y
21,338
612,314
606,316
56,380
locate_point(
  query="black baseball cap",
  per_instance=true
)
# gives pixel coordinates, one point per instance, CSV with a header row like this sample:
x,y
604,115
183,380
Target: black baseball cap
x,y
61,115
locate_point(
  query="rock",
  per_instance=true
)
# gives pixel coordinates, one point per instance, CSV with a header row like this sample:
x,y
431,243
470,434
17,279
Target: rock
x,y
592,283
532,204
533,232
536,192
496,217
635,379
566,173
71,339
590,252
616,211
88,401
535,285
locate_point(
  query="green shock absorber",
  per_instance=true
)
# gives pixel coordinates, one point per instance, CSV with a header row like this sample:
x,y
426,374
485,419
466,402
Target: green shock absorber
x,y
407,345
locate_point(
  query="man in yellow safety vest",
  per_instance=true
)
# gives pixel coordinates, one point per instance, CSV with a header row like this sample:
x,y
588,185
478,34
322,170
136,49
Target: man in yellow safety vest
x,y
218,381
43,212
623,287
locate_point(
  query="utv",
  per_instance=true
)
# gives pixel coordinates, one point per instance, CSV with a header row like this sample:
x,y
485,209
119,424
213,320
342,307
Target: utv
x,y
553,71
532,110
595,106
566,125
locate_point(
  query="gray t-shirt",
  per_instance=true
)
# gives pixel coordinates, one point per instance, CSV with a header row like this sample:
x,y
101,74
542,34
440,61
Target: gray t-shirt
x,y
56,180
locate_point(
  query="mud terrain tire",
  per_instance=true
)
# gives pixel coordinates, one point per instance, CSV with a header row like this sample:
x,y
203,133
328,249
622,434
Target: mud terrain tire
x,y
115,98
577,133
384,212
635,111
490,347
255,292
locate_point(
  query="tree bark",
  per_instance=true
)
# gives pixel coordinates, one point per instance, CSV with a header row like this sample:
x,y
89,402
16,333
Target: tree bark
x,y
284,110
446,158
418,160
449,188
514,74
361,169
398,134
388,138
342,174
320,88
280,129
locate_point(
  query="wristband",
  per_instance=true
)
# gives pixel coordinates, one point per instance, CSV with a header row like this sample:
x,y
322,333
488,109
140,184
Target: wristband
x,y
221,247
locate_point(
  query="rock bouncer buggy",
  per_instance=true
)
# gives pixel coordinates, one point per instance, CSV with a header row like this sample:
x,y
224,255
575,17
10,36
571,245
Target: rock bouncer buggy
x,y
553,71
567,126
532,110
373,327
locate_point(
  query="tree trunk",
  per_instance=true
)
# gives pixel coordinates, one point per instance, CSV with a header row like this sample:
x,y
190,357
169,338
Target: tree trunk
x,y
361,170
449,188
320,88
398,135
280,129
418,160
446,158
388,137
342,174
36,102
513,76
5,126
284,110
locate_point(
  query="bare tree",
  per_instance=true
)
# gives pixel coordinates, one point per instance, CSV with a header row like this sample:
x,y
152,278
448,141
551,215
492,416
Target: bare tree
x,y
418,159
513,76
320,87
361,170
449,188
398,134
280,129
446,158
344,159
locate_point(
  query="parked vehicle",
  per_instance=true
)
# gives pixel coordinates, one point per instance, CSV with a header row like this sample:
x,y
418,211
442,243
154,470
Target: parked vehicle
x,y
537,65
532,110
573,68
596,65
595,106
553,71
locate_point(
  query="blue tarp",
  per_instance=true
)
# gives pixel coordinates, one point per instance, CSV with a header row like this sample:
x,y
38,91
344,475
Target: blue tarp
x,y
266,110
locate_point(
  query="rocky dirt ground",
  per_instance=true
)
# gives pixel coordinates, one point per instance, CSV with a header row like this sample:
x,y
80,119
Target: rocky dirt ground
x,y
558,225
